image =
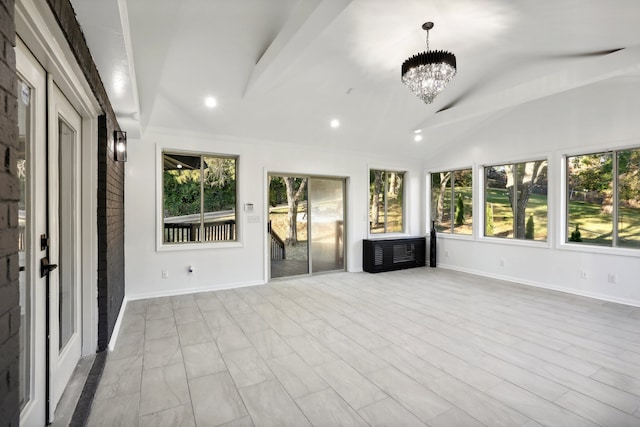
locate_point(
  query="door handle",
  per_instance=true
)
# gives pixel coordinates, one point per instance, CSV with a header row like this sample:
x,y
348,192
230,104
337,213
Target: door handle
x,y
45,267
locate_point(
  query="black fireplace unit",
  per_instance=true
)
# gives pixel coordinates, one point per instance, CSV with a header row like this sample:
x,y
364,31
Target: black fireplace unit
x,y
393,254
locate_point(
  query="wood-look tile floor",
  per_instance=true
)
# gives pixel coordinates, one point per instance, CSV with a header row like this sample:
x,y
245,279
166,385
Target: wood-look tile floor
x,y
408,348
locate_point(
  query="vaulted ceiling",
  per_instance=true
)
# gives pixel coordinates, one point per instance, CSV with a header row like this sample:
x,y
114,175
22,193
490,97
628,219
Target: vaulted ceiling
x,y
281,70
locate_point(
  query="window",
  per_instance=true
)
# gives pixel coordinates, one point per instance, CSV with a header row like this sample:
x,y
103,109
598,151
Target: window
x,y
603,198
386,203
451,201
516,200
199,198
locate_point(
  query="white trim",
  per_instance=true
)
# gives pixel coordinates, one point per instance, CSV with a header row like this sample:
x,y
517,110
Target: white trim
x,y
116,327
239,213
194,290
525,282
38,28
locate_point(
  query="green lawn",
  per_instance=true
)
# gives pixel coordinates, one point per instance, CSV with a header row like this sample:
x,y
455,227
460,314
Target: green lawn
x,y
503,215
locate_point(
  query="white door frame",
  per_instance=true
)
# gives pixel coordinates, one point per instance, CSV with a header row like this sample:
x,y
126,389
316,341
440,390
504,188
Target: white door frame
x,y
37,27
34,411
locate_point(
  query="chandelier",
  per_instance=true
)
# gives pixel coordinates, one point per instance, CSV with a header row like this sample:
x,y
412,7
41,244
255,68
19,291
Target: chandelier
x,y
427,73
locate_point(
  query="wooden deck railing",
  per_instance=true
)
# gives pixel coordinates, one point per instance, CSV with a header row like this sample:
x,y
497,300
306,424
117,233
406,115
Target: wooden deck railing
x,y
277,245
212,232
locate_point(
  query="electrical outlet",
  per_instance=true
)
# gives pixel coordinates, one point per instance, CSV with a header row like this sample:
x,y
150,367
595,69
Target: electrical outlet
x,y
501,262
165,274
584,275
611,278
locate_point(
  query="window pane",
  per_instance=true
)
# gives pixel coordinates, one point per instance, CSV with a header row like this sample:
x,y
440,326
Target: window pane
x,y
181,198
463,209
629,198
590,199
376,211
516,200
441,201
498,213
531,215
394,202
219,199
386,194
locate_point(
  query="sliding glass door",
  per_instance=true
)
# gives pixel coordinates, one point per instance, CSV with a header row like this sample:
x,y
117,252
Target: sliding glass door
x,y
306,225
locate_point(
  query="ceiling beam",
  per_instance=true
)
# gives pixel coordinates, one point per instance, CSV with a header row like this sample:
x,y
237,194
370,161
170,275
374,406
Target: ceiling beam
x,y
575,75
306,22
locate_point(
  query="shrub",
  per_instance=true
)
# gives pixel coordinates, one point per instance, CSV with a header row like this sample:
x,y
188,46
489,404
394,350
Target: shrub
x,y
528,233
575,235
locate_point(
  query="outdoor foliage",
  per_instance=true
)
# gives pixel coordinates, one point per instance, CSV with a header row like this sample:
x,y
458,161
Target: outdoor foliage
x,y
386,192
518,191
182,187
530,228
451,201
459,210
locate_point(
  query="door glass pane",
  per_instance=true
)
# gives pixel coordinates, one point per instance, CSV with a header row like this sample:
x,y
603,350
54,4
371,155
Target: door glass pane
x,y
326,198
288,226
66,301
24,133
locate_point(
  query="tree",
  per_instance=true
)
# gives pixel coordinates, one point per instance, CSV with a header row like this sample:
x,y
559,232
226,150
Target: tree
x,y
459,210
444,180
521,178
488,227
629,178
295,189
376,180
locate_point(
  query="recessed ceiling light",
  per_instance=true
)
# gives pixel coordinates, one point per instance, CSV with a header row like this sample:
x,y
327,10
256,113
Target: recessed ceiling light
x,y
179,166
417,131
417,138
210,102
335,123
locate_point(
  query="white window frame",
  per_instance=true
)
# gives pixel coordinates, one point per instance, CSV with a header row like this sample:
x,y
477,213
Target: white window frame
x,y
161,246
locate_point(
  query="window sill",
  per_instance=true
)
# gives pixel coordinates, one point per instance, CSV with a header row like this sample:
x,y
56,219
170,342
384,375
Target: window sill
x,y
453,236
383,236
196,246
605,250
516,242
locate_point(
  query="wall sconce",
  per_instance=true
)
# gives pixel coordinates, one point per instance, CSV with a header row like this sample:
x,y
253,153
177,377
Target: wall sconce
x,y
119,146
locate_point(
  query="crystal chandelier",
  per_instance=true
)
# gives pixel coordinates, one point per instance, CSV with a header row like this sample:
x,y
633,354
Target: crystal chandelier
x,y
427,73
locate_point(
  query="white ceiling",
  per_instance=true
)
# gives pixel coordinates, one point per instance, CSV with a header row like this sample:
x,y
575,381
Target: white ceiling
x,y
280,70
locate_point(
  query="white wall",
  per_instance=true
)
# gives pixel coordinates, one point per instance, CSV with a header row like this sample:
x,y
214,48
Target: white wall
x,y
599,117
245,264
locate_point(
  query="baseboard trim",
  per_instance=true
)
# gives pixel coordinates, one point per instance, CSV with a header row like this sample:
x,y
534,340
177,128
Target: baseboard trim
x,y
176,292
517,280
116,327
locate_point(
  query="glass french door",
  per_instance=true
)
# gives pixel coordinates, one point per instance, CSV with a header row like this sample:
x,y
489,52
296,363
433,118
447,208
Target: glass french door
x,y
31,169
65,343
306,225
48,167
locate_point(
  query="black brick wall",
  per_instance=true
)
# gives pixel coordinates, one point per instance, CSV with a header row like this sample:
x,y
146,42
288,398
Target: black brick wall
x,y
110,203
110,183
9,197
